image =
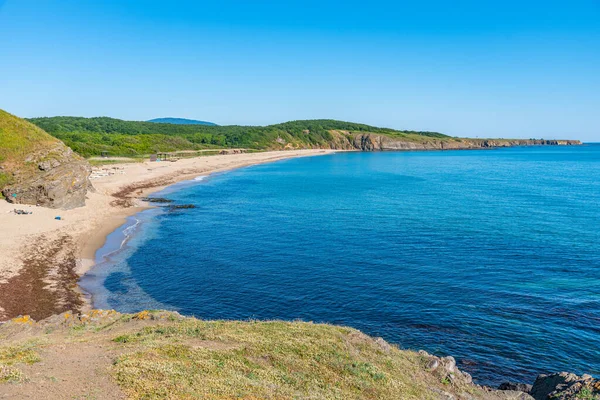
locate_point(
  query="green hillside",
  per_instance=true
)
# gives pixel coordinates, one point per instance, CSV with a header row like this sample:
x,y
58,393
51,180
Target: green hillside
x,y
92,136
18,140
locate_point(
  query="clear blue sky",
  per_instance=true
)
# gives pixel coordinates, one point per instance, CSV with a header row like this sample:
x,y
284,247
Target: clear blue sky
x,y
465,68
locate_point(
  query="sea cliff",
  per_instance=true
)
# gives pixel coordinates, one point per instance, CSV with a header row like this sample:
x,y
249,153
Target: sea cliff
x,y
374,142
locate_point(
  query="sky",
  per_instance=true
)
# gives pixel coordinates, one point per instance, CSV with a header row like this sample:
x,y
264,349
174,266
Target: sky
x,y
465,68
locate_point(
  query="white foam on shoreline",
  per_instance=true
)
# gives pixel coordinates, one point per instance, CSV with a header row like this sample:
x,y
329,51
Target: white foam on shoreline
x,y
127,232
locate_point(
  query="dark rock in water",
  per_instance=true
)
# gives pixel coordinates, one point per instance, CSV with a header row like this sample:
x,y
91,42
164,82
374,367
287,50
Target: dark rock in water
x,y
156,200
181,207
565,386
519,387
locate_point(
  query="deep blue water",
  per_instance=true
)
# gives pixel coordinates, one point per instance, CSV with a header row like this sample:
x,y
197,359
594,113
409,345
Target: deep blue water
x,y
490,256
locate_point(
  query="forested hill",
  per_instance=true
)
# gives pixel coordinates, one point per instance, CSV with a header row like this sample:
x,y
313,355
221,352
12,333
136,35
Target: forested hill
x,y
91,136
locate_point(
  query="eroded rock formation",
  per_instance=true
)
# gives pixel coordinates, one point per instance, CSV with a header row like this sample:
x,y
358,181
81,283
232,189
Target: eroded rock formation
x,y
59,179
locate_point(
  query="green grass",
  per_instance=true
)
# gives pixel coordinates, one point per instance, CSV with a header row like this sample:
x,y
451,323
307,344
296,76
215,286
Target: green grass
x,y
5,180
587,394
18,138
21,354
219,360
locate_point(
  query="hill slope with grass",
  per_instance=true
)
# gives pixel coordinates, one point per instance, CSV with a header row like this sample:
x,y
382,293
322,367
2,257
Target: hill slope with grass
x,y
36,168
92,136
160,355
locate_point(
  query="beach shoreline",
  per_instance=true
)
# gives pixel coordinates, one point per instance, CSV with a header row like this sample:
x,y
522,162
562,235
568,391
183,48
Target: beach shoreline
x,y
43,257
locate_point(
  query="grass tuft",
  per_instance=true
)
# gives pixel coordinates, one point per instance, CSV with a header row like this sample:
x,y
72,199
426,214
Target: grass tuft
x,y
23,354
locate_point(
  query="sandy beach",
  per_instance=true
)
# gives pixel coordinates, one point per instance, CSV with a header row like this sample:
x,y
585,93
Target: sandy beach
x,y
42,257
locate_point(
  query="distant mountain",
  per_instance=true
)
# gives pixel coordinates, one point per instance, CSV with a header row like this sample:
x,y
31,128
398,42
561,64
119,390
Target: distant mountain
x,y
180,121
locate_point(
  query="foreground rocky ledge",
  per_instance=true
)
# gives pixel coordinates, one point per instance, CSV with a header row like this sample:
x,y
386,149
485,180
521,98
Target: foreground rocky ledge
x,y
160,354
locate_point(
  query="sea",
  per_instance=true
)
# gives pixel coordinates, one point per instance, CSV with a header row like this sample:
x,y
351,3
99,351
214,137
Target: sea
x,y
491,256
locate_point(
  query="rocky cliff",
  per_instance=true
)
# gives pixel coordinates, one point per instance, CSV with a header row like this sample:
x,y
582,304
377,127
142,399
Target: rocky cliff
x,y
375,142
36,168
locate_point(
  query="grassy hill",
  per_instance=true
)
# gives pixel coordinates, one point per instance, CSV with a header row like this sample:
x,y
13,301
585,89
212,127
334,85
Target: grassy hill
x,y
91,136
36,168
18,140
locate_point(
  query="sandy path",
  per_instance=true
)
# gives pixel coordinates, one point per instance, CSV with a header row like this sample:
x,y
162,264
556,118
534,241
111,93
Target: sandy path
x,y
81,231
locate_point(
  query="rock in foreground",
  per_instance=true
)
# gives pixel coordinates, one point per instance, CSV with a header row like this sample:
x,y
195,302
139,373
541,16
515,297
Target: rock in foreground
x,y
566,386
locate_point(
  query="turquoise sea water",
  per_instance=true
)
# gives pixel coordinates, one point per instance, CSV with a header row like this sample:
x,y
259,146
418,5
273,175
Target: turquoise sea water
x,y
490,256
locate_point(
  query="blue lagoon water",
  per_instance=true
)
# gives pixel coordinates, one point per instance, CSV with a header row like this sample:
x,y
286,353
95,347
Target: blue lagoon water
x,y
490,256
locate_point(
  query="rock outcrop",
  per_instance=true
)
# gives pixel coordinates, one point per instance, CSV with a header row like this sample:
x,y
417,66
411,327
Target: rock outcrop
x,y
374,142
445,369
39,169
61,180
559,386
565,386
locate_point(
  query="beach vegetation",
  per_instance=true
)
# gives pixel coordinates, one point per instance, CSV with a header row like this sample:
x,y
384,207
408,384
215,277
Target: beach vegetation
x,y
19,354
12,356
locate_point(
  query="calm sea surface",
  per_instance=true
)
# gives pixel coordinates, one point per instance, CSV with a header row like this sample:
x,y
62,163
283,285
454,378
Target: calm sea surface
x,y
490,256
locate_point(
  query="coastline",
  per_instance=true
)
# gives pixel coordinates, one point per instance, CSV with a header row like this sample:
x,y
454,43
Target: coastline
x,y
43,258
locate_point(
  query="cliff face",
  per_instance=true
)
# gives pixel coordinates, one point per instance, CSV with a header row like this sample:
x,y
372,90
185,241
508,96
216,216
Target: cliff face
x,y
37,169
374,142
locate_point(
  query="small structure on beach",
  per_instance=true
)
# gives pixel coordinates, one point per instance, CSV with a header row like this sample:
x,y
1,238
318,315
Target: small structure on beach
x,y
160,157
163,156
